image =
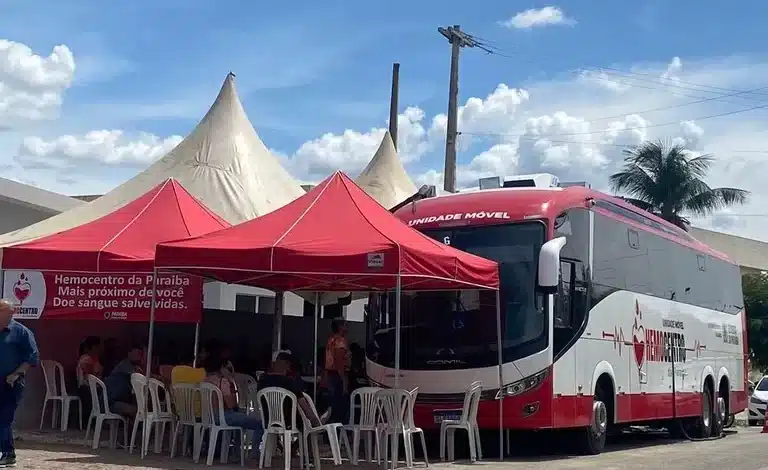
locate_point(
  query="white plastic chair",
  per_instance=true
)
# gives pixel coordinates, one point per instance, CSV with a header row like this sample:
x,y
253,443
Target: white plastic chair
x,y
155,419
212,420
270,402
467,422
185,396
398,409
162,410
369,409
310,431
243,382
100,414
56,392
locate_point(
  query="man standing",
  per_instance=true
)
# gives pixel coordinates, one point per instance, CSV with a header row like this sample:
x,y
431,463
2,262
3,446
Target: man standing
x,y
18,351
336,368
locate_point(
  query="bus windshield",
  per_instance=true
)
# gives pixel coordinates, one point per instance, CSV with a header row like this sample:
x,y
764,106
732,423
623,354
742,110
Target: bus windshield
x,y
457,329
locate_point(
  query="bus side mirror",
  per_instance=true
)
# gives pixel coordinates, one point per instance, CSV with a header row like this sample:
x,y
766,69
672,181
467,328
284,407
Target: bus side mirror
x,y
549,265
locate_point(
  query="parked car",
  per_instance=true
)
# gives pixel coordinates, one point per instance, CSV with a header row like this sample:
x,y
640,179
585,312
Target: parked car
x,y
758,402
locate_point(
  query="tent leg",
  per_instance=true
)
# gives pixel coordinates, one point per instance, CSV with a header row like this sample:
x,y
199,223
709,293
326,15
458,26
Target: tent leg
x,y
150,344
499,346
398,295
196,347
314,350
277,323
2,282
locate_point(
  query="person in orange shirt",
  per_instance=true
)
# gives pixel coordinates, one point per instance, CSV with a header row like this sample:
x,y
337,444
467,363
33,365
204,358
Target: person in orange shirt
x,y
336,369
88,364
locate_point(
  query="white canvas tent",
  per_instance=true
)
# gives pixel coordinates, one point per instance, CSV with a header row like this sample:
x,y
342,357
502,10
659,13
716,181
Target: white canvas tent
x,y
222,162
385,178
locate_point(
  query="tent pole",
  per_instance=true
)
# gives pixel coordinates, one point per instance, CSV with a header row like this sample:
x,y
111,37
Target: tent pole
x,y
499,346
314,351
277,323
150,341
398,294
197,344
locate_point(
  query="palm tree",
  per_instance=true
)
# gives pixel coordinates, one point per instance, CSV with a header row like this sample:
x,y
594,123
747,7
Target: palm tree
x,y
668,181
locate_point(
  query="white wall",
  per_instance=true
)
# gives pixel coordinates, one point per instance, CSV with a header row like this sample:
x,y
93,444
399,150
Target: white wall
x,y
221,296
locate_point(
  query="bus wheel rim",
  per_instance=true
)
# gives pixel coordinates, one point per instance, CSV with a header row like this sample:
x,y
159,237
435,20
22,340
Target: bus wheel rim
x,y
599,418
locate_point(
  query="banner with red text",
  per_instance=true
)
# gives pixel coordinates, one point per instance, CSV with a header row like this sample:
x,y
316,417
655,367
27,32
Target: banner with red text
x,y
97,296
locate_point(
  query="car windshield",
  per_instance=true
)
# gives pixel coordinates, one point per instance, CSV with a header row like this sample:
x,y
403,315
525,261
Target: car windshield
x,y
762,386
458,328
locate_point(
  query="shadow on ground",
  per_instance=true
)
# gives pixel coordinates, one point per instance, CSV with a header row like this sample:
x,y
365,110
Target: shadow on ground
x,y
525,447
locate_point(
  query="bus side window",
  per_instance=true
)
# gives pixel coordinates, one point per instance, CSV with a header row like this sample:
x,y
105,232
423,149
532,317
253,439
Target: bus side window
x,y
564,304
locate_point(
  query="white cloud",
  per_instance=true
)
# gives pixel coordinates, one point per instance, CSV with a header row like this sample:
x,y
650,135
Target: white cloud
x,y
603,80
32,86
352,150
560,126
536,18
108,147
672,73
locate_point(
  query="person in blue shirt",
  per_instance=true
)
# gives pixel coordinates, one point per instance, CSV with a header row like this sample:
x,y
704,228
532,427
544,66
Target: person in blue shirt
x,y
18,352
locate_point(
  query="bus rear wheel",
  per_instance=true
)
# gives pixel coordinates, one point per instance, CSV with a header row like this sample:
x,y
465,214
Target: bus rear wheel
x,y
592,439
705,423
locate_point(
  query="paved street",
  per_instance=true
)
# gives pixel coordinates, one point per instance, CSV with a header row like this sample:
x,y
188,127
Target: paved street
x,y
746,450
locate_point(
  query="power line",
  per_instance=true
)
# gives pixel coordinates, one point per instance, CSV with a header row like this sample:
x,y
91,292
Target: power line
x,y
674,123
680,105
668,88
492,49
560,141
722,89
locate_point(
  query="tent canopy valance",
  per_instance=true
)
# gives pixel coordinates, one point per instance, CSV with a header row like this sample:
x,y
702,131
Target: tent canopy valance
x,y
104,269
334,238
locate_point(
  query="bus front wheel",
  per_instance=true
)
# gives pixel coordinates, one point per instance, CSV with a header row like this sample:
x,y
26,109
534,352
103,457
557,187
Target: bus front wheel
x,y
593,437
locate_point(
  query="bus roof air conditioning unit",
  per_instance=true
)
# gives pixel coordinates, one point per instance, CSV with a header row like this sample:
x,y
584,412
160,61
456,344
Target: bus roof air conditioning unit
x,y
568,184
538,180
493,182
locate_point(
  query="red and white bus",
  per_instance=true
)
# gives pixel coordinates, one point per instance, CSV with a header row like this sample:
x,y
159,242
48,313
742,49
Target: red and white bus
x,y
643,323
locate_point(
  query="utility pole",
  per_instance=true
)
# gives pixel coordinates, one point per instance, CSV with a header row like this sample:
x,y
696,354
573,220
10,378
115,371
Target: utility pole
x,y
393,102
458,39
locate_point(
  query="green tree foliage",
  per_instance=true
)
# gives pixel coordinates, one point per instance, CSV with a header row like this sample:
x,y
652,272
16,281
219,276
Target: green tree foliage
x,y
668,181
755,288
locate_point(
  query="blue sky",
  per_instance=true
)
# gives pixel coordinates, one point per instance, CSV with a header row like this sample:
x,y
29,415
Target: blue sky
x,y
309,71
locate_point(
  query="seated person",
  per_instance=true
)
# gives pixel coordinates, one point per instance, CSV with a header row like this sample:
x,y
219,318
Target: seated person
x,y
216,375
119,390
226,358
186,374
281,375
88,364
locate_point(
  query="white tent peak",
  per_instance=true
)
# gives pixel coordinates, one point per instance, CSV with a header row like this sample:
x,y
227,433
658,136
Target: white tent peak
x,y
385,178
222,162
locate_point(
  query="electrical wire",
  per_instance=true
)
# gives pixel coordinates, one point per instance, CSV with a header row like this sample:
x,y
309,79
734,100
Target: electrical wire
x,y
577,142
489,48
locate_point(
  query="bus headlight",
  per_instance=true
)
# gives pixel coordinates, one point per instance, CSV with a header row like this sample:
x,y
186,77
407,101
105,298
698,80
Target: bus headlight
x,y
522,386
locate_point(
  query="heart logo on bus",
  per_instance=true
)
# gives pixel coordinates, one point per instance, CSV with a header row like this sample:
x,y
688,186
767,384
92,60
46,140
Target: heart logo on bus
x,y
638,337
638,343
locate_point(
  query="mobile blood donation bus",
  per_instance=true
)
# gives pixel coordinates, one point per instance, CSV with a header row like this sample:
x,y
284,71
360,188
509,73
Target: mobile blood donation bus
x,y
643,325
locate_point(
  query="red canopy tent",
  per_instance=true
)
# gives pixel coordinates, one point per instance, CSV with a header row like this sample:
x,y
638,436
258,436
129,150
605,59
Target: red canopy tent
x,y
104,268
334,238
